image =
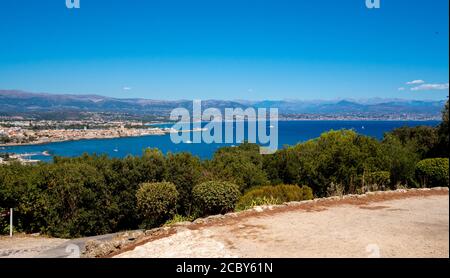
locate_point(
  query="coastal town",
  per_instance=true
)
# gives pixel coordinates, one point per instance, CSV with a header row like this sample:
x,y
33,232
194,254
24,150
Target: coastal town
x,y
14,133
20,132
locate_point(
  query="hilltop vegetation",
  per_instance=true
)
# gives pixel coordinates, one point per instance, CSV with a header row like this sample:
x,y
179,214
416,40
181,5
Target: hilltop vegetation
x,y
93,194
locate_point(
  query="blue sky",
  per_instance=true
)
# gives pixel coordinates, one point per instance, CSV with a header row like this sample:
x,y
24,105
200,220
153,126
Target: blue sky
x,y
226,49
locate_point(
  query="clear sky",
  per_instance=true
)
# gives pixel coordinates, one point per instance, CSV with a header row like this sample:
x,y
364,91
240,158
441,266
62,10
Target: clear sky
x,y
227,49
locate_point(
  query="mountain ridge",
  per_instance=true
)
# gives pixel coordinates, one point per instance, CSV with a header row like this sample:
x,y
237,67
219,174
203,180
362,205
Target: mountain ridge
x,y
21,101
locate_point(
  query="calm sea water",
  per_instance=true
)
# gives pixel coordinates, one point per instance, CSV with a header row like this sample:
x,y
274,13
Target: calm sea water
x,y
290,133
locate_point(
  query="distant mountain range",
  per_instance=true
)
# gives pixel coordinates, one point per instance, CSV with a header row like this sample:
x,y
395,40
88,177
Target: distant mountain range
x,y
16,102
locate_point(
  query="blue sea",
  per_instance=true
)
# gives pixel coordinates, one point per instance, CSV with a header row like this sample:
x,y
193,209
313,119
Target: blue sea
x,y
290,133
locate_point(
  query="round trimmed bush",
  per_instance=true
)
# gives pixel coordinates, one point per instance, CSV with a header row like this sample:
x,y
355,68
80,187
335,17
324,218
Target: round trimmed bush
x,y
156,202
433,172
215,197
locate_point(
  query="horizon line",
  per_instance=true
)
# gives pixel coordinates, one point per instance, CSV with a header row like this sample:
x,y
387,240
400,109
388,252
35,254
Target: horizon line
x,y
220,99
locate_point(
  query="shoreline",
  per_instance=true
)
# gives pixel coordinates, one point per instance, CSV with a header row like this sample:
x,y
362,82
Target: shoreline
x,y
73,140
165,132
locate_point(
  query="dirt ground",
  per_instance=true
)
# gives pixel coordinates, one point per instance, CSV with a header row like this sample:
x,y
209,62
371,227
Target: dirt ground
x,y
26,246
412,226
401,224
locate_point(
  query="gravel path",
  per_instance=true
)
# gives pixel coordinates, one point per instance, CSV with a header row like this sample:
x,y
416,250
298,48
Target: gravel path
x,y
415,226
27,246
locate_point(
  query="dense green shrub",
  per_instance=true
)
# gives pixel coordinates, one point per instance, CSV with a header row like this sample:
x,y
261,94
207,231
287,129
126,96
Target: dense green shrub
x,y
152,165
424,139
242,165
380,178
75,202
123,177
274,195
442,147
338,157
156,202
184,170
4,222
402,159
215,197
375,181
433,172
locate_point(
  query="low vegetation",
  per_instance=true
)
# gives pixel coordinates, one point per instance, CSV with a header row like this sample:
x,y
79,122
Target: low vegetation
x,y
94,194
433,172
272,195
215,197
177,218
156,202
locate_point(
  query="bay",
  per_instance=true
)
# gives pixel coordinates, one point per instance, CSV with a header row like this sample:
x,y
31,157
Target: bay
x,y
290,133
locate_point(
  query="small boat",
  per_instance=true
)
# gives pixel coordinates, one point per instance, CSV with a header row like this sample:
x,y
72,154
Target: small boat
x,y
46,153
363,127
115,149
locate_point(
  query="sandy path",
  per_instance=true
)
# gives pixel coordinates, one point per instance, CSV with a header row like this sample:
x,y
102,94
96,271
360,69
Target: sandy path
x,y
26,246
409,227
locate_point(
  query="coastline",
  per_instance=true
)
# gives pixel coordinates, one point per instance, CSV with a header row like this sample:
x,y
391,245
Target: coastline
x,y
165,132
74,139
